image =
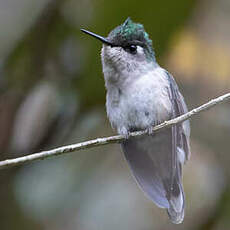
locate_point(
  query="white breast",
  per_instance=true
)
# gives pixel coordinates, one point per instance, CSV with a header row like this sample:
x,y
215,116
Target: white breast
x,y
142,102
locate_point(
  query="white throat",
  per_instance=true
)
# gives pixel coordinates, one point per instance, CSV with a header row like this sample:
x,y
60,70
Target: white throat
x,y
120,67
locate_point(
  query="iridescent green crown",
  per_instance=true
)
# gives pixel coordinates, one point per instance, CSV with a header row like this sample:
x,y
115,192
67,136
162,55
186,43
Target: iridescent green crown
x,y
130,31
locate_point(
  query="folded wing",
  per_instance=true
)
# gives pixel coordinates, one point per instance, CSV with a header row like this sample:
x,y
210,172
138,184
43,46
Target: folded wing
x,y
156,161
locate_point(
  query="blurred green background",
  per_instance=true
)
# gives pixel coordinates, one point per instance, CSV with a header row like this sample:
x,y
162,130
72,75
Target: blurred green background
x,y
52,93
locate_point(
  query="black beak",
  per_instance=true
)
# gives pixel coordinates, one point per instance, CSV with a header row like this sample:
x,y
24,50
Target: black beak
x,y
102,39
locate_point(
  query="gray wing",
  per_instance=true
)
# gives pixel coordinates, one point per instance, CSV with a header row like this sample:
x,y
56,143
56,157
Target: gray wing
x,y
180,151
156,161
179,108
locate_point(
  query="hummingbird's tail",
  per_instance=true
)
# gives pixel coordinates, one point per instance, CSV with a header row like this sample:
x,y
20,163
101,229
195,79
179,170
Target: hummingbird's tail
x,y
175,217
158,171
176,207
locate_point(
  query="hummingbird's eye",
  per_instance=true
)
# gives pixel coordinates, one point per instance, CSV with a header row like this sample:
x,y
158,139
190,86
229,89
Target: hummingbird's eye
x,y
131,49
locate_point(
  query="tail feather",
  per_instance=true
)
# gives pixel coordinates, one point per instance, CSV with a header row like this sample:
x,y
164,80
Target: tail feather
x,y
176,207
150,159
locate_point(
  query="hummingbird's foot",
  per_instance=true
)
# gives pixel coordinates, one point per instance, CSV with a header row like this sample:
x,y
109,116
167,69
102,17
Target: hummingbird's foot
x,y
151,131
127,135
124,132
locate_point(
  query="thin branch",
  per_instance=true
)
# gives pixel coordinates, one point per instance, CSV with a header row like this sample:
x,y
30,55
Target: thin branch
x,y
109,140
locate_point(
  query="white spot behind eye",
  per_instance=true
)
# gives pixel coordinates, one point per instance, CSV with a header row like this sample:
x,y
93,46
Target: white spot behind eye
x,y
140,50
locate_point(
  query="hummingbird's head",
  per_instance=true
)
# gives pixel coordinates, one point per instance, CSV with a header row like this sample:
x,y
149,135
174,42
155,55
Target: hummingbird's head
x,y
126,49
129,36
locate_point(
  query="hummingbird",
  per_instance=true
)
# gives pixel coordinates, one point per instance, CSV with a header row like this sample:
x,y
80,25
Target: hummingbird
x,y
140,95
